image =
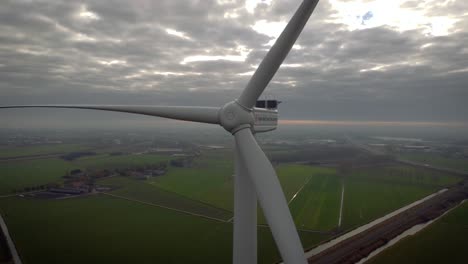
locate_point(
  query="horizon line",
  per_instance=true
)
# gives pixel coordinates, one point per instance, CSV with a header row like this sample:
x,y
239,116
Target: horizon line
x,y
371,123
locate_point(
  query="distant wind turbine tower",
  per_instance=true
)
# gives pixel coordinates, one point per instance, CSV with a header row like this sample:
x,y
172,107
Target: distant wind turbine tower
x,y
255,177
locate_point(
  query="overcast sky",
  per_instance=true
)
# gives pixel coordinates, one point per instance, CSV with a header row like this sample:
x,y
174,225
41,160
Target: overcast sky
x,y
356,60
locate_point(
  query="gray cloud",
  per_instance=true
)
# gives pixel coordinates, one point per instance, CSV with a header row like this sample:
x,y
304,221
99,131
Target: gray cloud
x,y
48,54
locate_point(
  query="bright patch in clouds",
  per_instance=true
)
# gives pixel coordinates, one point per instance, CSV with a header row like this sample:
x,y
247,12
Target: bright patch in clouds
x,y
363,14
112,62
271,29
177,34
244,52
250,5
85,14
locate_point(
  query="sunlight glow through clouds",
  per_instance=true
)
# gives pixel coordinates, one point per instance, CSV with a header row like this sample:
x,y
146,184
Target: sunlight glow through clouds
x,y
368,14
86,15
244,52
250,5
177,34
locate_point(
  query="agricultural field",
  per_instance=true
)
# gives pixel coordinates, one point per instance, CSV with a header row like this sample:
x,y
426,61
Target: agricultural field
x,y
313,194
16,175
103,229
209,180
142,191
11,152
436,160
444,241
317,206
376,191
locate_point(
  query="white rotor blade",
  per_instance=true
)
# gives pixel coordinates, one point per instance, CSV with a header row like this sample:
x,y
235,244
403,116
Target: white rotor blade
x,y
245,216
271,197
272,61
187,113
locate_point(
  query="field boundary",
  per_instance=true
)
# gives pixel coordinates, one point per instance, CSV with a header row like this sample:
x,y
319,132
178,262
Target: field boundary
x,y
300,189
155,185
165,207
341,205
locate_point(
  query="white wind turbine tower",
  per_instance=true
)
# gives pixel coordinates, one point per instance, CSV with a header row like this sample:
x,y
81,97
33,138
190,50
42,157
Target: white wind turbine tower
x,y
255,177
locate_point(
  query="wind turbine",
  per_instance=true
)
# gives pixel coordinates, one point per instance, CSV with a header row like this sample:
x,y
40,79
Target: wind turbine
x,y
255,177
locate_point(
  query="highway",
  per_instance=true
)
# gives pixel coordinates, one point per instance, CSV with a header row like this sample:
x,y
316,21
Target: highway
x,y
317,250
360,245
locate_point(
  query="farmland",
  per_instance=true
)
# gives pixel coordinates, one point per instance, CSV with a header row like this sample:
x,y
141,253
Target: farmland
x,y
181,215
444,241
209,180
437,160
373,192
104,229
16,175
11,152
142,191
317,206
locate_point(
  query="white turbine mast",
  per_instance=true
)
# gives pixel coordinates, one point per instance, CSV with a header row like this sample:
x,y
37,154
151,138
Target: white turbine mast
x,y
255,177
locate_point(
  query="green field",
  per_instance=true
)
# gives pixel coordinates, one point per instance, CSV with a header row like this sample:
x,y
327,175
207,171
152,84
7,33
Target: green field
x,y
308,207
102,229
209,180
437,160
317,206
444,241
11,152
374,192
142,191
15,175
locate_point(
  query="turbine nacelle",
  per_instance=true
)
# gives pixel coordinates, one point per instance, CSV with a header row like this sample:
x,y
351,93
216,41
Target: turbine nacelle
x,y
234,117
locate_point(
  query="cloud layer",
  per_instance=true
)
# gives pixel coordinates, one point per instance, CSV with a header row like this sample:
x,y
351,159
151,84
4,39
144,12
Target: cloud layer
x,y
356,60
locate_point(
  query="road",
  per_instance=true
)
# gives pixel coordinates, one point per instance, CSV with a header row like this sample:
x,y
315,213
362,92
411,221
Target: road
x,y
350,248
341,205
11,245
319,249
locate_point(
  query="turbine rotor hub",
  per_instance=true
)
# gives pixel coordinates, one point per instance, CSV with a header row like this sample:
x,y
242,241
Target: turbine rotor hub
x,y
234,117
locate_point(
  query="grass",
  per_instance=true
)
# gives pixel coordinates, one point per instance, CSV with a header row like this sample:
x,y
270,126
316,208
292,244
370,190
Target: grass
x,y
444,241
103,229
16,175
142,191
105,161
106,229
437,160
374,192
19,174
317,205
9,152
209,180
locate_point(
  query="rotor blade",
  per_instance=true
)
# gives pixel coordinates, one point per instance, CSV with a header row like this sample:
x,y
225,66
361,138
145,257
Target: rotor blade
x,y
245,216
271,197
272,61
187,113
